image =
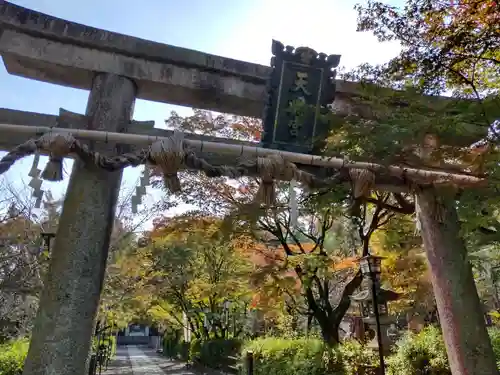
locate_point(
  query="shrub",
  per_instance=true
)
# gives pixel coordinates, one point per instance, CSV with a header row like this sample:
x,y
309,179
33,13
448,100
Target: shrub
x,y
109,343
425,353
421,353
357,359
278,356
195,350
171,341
494,333
174,346
12,356
182,349
213,353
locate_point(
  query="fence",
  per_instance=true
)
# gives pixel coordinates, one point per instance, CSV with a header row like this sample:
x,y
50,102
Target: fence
x,y
100,360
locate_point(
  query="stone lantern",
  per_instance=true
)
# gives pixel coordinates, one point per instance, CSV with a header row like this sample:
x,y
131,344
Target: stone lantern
x,y
379,318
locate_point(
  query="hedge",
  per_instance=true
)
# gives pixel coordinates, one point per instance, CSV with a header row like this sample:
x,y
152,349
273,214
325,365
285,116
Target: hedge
x,y
13,354
425,353
301,356
414,354
174,347
214,353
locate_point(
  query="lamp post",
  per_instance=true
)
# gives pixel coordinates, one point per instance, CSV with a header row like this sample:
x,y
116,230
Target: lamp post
x,y
226,306
371,267
47,238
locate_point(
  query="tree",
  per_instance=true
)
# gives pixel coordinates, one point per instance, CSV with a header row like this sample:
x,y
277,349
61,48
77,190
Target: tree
x,y
485,264
311,267
192,268
289,273
445,46
404,268
23,260
124,294
225,126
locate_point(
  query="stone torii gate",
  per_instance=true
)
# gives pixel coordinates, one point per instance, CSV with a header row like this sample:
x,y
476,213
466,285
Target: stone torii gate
x,y
117,69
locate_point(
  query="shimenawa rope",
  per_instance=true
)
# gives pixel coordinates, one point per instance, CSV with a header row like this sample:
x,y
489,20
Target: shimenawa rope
x,y
170,155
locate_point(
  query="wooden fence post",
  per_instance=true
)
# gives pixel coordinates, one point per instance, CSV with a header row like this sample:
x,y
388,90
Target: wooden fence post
x,y
249,363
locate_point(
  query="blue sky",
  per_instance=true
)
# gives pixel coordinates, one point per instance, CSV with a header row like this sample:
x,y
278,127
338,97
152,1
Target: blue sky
x,y
240,29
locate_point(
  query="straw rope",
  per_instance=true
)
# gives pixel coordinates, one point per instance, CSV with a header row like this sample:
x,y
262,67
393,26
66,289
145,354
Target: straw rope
x,y
171,155
415,175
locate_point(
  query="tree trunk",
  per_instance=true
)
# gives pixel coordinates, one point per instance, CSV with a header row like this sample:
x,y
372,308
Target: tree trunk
x,y
330,335
329,321
309,323
460,313
329,318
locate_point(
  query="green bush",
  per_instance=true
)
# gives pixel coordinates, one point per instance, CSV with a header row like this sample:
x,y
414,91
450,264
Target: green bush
x,y
174,346
113,345
425,353
195,350
278,356
421,353
182,349
494,333
12,356
108,342
171,340
214,353
357,359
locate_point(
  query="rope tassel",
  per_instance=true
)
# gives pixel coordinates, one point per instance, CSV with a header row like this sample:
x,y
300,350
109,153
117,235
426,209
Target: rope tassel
x,y
266,193
169,156
36,182
58,145
363,181
270,167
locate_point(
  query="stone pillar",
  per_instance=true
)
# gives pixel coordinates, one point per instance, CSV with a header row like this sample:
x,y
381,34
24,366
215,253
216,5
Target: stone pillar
x,y
387,342
460,314
61,337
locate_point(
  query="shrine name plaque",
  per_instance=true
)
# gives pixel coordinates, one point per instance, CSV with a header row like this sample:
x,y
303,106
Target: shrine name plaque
x,y
301,86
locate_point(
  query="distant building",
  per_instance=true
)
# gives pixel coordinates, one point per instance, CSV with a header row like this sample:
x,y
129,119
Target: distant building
x,y
138,334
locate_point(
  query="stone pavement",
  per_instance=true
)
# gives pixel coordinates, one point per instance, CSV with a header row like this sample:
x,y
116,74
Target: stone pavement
x,y
120,365
139,360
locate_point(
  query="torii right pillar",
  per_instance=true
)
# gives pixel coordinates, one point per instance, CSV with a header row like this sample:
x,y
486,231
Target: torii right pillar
x,y
464,330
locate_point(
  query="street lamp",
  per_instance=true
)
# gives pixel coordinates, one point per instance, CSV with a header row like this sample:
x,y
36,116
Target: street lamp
x,y
206,321
371,266
47,237
226,306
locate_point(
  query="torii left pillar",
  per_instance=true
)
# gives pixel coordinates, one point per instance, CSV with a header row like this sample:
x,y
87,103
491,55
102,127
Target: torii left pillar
x,y
61,338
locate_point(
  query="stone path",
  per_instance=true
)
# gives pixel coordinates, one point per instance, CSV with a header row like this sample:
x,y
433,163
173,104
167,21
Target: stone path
x,y
120,365
138,360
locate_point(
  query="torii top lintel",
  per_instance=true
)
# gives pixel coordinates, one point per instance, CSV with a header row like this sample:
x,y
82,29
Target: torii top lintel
x,y
42,47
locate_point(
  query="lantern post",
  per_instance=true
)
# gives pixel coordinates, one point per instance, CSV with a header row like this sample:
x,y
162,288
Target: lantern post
x,y
373,302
